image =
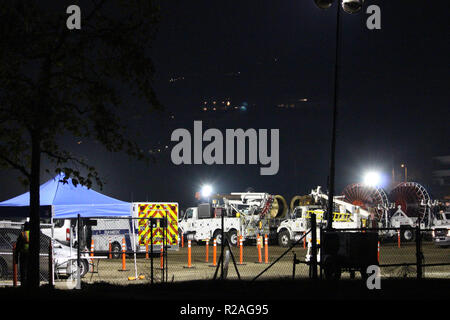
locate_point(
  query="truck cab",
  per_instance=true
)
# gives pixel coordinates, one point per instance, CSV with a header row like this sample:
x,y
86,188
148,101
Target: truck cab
x,y
203,223
441,229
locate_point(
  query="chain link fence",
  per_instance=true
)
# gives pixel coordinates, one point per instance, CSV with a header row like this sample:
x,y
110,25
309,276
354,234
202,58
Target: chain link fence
x,y
115,251
9,235
120,251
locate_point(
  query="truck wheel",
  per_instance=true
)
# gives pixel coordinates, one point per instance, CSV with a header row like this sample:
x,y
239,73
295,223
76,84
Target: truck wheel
x,y
116,250
284,239
407,235
218,236
232,236
84,268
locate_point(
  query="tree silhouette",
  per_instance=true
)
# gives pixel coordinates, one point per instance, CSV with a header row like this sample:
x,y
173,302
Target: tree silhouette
x,y
55,81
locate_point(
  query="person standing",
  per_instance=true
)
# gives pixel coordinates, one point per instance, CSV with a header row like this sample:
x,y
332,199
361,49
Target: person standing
x,y
23,253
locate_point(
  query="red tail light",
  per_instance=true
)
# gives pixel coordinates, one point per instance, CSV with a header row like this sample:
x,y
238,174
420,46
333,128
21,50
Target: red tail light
x,y
67,234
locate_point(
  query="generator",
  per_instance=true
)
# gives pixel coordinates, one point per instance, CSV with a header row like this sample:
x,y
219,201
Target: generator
x,y
348,251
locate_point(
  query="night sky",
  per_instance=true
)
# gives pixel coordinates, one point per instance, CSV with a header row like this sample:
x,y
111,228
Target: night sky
x,y
393,105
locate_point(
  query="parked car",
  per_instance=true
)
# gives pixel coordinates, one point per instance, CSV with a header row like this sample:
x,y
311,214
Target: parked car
x,y
64,258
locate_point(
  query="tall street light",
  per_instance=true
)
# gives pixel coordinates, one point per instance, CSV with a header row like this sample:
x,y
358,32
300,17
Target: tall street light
x,y
349,6
406,171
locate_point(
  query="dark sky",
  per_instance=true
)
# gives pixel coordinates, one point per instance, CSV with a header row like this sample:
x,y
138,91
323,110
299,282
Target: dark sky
x,y
393,105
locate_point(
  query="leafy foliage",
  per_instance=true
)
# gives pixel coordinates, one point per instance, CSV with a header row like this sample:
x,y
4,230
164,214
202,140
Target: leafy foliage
x,y
56,82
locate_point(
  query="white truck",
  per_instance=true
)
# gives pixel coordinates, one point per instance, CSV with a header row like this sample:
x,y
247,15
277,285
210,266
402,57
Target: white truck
x,y
348,216
245,214
441,229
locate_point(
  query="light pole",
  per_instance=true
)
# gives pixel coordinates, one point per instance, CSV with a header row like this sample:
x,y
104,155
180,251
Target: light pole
x,y
349,6
406,171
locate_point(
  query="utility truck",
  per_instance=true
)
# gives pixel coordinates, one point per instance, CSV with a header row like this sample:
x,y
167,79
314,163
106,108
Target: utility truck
x,y
441,228
244,214
345,215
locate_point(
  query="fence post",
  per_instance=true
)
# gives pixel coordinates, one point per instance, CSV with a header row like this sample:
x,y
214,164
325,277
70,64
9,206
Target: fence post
x,y
419,255
78,286
161,254
151,251
14,265
313,265
50,265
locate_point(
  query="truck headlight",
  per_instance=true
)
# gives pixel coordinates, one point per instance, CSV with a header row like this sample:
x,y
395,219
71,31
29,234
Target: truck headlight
x,y
433,234
448,232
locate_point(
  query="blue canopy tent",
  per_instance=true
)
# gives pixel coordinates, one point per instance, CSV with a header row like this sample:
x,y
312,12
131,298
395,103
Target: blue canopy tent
x,y
67,201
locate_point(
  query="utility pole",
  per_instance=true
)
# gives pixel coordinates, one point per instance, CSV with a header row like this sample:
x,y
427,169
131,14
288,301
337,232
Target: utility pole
x,y
333,128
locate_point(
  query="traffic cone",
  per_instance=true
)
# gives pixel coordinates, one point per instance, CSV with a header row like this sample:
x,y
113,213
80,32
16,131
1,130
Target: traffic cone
x,y
189,266
241,250
110,249
398,238
378,253
258,245
162,257
207,250
146,250
304,240
266,249
214,253
92,254
124,268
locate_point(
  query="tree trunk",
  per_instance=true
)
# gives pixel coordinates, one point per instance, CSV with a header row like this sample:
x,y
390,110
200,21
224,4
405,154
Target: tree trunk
x,y
33,265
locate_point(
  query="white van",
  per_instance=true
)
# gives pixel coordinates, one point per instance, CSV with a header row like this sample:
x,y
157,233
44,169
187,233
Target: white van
x,y
102,232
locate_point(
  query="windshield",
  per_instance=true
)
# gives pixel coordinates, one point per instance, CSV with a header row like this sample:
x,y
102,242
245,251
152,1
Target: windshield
x,y
189,213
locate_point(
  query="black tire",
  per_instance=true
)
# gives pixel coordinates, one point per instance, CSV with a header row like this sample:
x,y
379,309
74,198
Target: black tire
x,y
284,239
84,268
407,235
116,250
218,236
233,238
3,269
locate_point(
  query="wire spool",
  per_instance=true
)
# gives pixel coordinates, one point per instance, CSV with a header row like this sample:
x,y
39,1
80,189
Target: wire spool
x,y
410,196
279,207
370,198
301,201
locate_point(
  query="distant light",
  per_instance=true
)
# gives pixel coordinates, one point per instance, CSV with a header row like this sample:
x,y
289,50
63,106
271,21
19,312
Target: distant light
x,y
228,103
206,191
372,179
